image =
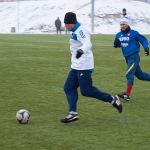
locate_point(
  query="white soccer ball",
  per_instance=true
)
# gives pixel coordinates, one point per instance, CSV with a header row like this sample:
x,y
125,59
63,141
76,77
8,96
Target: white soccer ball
x,y
22,116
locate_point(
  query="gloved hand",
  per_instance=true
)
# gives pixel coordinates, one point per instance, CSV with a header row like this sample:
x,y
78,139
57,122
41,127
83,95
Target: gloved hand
x,y
146,51
117,43
79,53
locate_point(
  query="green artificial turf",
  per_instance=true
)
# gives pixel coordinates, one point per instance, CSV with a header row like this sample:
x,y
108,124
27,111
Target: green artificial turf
x,y
33,69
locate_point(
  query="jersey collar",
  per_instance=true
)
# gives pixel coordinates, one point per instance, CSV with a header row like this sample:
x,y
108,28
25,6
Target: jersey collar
x,y
77,25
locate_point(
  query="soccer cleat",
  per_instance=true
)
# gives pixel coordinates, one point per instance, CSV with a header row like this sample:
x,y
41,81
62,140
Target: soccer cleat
x,y
116,103
124,96
70,118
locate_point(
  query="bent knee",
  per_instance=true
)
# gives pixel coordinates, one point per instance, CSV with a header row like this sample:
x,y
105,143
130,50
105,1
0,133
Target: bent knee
x,y
139,76
85,92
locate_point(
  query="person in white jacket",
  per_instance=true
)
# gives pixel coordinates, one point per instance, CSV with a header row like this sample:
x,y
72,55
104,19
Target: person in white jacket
x,y
82,66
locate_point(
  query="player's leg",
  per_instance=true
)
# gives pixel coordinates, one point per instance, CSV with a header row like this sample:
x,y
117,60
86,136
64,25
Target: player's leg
x,y
70,89
132,63
142,75
87,89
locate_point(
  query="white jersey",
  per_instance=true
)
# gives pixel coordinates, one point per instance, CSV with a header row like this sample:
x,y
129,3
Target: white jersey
x,y
81,39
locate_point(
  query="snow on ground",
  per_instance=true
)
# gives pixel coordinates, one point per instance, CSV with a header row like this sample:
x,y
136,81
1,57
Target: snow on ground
x,y
39,16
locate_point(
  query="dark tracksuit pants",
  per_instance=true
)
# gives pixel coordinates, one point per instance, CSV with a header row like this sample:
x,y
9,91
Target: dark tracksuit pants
x,y
82,79
134,69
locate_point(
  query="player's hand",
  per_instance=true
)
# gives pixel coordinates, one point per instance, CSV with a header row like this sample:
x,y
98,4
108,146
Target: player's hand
x,y
79,53
147,51
117,43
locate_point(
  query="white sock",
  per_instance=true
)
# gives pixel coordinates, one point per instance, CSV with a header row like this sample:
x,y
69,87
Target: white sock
x,y
73,112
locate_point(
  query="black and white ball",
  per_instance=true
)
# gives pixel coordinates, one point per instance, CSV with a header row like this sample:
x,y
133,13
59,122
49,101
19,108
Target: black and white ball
x,y
22,116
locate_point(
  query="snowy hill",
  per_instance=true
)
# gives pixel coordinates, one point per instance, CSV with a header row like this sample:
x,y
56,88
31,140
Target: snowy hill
x,y
39,16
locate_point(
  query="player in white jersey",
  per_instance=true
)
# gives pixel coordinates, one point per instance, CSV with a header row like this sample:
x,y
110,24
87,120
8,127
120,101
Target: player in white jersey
x,y
82,65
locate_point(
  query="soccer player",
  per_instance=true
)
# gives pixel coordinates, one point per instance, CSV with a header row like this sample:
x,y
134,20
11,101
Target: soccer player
x,y
129,40
82,65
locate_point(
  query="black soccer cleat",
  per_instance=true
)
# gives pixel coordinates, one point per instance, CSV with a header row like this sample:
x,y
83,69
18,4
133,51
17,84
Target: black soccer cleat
x,y
70,118
124,96
117,104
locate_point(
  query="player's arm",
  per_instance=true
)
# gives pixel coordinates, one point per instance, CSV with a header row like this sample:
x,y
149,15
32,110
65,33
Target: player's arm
x,y
85,40
143,40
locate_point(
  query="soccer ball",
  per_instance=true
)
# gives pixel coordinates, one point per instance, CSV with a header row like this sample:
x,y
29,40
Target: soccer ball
x,y
22,116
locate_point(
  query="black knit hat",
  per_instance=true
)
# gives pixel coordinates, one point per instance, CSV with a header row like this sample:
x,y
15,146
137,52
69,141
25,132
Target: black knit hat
x,y
70,18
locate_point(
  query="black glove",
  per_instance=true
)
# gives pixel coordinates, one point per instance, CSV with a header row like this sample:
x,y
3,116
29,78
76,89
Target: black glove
x,y
146,51
79,53
117,43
